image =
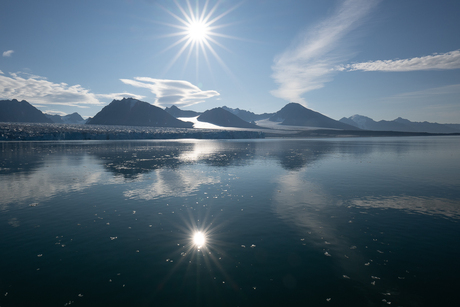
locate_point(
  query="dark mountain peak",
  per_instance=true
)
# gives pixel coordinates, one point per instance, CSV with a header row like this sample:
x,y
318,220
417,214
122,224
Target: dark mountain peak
x,y
293,109
294,106
247,115
295,114
73,118
21,111
176,112
402,120
224,118
133,112
360,117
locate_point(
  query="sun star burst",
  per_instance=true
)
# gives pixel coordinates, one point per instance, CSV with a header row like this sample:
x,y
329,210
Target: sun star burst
x,y
197,27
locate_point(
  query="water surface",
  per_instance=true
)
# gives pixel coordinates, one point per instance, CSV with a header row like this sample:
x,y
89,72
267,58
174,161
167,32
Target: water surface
x,y
288,222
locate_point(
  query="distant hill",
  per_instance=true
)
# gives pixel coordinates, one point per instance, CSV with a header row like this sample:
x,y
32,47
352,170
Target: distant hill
x,y
73,118
399,124
294,114
133,112
247,115
221,117
454,126
176,112
21,112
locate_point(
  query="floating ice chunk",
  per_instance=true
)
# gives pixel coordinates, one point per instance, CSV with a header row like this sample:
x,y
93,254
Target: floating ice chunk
x,y
327,254
243,246
346,276
328,299
33,205
113,238
39,255
253,245
80,295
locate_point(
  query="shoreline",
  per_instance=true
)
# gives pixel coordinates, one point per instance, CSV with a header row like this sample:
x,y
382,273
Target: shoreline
x,y
58,132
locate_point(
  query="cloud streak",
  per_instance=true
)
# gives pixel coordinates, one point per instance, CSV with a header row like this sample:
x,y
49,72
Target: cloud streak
x,y
8,53
448,60
39,91
310,61
170,92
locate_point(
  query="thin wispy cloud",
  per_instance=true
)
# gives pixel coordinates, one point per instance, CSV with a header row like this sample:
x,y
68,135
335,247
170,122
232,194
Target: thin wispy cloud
x,y
39,91
310,61
448,60
428,94
8,53
441,103
169,92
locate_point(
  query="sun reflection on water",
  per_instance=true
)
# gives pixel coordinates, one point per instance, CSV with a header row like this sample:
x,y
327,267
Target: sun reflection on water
x,y
199,239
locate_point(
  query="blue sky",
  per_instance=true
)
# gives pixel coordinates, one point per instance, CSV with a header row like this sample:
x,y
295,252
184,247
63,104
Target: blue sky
x,y
381,59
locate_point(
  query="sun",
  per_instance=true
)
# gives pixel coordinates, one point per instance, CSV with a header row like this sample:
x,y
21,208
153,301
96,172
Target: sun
x,y
197,31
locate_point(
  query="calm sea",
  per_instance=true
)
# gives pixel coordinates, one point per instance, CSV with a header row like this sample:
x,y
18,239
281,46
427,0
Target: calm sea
x,y
287,222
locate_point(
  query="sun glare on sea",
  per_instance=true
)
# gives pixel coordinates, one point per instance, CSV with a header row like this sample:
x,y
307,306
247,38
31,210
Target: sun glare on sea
x,y
199,239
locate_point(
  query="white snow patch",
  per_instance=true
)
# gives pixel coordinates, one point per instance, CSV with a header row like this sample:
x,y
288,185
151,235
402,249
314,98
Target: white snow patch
x,y
205,125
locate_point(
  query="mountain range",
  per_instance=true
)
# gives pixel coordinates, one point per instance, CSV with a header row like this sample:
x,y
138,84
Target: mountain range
x,y
399,124
73,118
247,115
133,112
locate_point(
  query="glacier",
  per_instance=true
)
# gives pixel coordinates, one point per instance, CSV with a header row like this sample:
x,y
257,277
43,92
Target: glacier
x,y
56,132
